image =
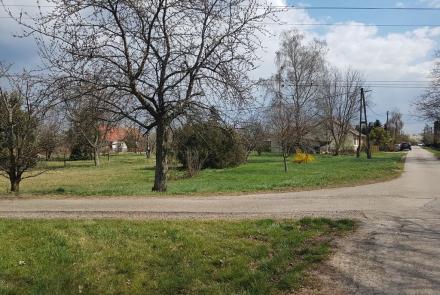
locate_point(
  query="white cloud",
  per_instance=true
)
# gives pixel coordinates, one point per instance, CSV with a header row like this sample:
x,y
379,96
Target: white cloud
x,y
271,42
394,55
391,57
403,56
432,3
361,47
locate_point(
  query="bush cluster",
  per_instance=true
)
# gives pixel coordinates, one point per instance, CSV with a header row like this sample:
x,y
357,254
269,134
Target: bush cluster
x,y
208,145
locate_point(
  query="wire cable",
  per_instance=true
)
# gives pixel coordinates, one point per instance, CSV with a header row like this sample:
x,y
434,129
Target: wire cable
x,y
293,6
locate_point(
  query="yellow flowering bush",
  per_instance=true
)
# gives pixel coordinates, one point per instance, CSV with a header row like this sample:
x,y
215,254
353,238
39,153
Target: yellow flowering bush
x,y
303,158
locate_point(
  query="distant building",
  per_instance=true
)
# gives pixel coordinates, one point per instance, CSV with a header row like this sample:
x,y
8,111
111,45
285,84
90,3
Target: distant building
x,y
351,143
320,141
115,138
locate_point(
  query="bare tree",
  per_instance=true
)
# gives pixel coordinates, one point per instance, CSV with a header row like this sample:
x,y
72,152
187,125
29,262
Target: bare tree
x,y
253,135
19,119
429,103
395,125
294,91
162,57
90,122
282,127
339,105
300,65
49,136
428,135
135,140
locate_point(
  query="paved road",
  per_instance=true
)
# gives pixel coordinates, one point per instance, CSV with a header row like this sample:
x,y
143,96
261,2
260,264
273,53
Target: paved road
x,y
396,251
418,186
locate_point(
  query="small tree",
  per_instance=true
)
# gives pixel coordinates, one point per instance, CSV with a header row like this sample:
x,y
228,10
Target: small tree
x,y
135,140
377,123
282,127
90,122
18,130
48,139
380,137
253,135
395,125
428,135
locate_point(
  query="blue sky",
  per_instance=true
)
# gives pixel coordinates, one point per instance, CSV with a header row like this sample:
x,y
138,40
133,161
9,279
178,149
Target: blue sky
x,y
381,53
375,17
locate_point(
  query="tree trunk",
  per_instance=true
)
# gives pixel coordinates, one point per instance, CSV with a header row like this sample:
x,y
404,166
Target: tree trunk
x,y
96,157
160,177
337,149
285,162
15,185
248,153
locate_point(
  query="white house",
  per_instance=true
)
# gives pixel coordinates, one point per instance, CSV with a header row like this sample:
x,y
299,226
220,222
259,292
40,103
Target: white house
x,y
320,141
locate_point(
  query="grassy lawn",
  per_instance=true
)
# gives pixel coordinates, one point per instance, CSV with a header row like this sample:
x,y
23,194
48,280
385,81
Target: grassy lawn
x,y
162,257
132,175
435,151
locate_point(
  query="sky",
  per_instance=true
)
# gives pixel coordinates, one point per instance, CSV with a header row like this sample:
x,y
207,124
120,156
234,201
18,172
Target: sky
x,y
381,53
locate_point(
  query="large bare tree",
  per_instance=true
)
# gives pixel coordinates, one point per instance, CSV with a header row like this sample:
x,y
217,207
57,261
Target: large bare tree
x,y
162,57
296,84
339,103
429,103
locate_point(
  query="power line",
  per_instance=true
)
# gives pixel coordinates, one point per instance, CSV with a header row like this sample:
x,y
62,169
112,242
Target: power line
x,y
318,24
397,85
351,25
294,7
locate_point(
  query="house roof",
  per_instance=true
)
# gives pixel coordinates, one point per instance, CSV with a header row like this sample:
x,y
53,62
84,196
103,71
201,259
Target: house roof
x,y
356,133
120,134
116,134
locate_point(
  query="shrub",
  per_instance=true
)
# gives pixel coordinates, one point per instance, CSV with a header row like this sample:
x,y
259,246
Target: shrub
x,y
381,138
194,162
208,145
303,158
80,152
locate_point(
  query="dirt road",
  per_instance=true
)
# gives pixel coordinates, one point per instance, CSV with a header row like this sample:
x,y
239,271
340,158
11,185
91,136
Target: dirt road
x,y
418,186
396,250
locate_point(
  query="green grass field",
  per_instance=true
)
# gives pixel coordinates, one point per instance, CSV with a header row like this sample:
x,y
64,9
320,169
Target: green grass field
x,y
162,257
132,175
435,151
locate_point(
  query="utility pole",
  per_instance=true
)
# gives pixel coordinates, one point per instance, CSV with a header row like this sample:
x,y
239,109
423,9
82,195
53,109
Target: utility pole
x,y
386,125
363,120
367,126
358,152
